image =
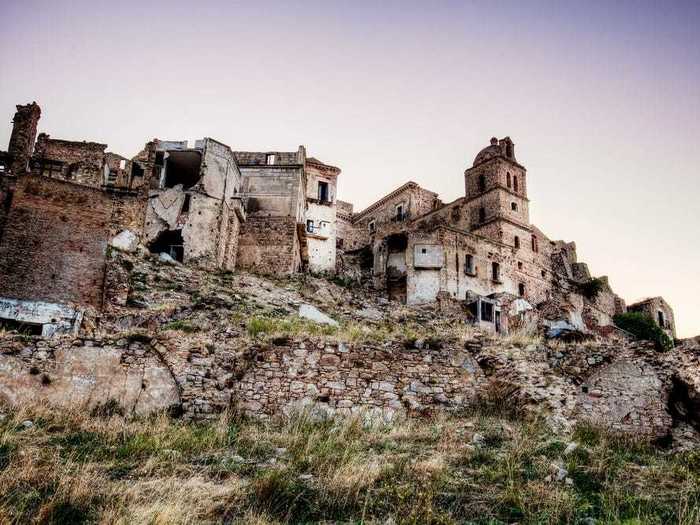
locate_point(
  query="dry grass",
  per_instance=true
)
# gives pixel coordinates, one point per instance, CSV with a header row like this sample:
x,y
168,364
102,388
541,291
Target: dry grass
x,y
73,468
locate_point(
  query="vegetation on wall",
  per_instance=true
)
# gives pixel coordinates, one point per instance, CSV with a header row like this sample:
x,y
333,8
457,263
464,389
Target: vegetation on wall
x,y
643,327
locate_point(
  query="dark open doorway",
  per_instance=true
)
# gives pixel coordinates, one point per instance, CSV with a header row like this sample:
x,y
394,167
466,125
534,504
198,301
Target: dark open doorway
x,y
170,242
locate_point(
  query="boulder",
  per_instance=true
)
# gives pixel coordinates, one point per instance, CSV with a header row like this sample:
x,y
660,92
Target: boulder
x,y
312,313
126,241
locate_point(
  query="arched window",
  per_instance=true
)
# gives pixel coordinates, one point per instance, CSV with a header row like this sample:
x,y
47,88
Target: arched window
x,y
508,179
516,242
521,290
482,183
513,206
482,214
515,182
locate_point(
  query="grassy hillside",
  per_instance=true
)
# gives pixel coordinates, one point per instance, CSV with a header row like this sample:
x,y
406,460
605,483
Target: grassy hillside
x,y
475,467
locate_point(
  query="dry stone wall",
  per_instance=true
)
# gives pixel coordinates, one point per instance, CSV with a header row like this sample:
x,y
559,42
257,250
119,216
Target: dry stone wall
x,y
630,388
342,378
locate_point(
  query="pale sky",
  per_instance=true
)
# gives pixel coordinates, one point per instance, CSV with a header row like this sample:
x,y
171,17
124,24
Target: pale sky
x,y
601,98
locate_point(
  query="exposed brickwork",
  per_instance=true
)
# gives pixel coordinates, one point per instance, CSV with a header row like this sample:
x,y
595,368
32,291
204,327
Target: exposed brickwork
x,y
22,139
56,237
269,245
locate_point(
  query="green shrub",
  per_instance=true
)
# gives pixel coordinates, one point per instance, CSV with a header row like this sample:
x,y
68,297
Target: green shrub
x,y
643,327
183,326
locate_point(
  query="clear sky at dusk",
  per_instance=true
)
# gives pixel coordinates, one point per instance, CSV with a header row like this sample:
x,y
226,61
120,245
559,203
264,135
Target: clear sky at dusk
x,y
601,98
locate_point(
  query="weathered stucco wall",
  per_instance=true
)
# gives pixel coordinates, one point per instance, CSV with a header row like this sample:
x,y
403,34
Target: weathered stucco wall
x,y
85,375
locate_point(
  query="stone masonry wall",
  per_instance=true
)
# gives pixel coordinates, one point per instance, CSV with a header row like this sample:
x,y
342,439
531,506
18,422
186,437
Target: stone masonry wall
x,y
204,380
269,245
623,388
344,378
80,162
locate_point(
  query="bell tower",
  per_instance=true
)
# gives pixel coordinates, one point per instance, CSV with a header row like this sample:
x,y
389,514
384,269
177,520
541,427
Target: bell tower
x,y
496,194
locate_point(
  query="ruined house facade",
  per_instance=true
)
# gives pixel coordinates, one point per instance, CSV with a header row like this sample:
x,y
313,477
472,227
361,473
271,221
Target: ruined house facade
x,y
63,203
194,211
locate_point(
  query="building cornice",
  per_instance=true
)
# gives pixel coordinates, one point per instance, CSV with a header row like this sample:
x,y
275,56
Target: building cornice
x,y
503,218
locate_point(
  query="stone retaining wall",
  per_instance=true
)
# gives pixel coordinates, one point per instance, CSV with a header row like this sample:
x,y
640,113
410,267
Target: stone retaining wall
x,y
625,389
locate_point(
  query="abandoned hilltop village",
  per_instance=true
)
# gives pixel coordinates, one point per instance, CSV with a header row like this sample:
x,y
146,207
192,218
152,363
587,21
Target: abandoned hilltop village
x,y
82,229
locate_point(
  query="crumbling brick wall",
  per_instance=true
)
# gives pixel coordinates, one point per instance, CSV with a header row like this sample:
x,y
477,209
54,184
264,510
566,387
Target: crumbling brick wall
x,y
23,135
269,245
56,238
79,162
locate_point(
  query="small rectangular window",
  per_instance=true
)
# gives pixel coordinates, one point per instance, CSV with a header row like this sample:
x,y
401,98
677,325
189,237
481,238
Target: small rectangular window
x,y
270,159
323,191
486,312
310,226
372,226
469,264
495,271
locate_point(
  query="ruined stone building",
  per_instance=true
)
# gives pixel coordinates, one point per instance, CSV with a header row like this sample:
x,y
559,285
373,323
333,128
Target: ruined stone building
x,y
481,248
63,203
659,310
194,209
56,222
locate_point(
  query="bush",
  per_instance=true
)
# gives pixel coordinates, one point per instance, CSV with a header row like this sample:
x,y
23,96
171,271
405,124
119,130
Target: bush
x,y
183,326
643,327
